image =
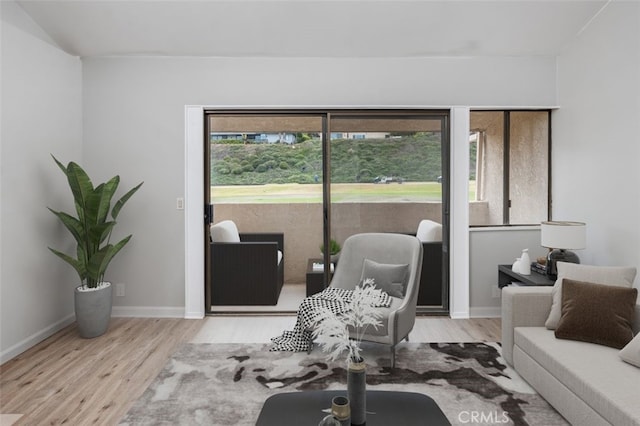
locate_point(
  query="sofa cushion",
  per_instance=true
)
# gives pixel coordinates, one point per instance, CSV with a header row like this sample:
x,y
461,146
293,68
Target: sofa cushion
x,y
429,231
595,373
631,352
597,313
390,278
225,232
607,275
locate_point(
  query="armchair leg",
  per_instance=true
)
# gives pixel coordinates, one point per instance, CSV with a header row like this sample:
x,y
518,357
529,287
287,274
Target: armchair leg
x,y
310,347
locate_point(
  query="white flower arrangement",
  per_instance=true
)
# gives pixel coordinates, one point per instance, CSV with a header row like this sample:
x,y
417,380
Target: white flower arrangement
x,y
332,331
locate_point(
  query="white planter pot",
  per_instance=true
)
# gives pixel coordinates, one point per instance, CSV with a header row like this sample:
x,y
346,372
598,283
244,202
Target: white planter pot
x,y
93,310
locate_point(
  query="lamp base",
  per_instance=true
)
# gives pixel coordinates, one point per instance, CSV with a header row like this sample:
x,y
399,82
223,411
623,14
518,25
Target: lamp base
x,y
559,255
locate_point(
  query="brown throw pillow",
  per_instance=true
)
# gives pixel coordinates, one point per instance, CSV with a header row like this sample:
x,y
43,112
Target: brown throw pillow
x,y
597,313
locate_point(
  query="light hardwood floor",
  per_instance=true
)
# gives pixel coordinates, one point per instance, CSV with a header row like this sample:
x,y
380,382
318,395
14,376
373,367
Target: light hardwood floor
x,y
69,380
74,381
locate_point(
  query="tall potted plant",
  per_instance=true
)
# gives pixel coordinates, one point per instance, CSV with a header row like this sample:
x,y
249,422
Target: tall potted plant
x,y
91,229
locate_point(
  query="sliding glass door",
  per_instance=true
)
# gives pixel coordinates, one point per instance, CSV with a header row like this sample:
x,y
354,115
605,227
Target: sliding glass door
x,y
322,175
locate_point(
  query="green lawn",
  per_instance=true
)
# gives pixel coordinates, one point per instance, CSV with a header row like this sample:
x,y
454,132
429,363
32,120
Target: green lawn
x,y
340,193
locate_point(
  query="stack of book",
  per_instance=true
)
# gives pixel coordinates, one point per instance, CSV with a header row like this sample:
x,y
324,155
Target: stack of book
x,y
539,268
320,267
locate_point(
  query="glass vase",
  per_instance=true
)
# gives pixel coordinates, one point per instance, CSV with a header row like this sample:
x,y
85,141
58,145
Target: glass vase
x,y
357,391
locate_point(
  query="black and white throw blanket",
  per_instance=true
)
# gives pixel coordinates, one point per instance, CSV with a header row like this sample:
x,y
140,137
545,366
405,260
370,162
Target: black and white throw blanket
x,y
336,299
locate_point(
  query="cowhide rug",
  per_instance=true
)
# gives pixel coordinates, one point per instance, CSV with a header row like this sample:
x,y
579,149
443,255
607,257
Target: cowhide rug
x,y
226,384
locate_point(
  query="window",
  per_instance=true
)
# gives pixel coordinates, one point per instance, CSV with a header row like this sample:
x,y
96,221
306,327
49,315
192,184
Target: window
x,y
509,167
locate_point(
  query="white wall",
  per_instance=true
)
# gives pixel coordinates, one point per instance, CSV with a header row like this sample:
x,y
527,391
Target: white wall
x,y
489,248
41,114
134,125
596,136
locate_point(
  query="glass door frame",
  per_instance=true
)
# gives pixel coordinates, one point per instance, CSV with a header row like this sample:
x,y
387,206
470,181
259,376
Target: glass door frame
x,y
326,115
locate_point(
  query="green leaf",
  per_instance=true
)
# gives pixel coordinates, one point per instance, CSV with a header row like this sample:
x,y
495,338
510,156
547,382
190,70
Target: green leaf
x,y
118,206
81,188
71,261
100,201
62,167
99,233
100,261
72,224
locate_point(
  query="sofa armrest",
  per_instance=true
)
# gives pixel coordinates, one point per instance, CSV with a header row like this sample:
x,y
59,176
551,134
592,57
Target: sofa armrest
x,y
246,273
264,237
523,307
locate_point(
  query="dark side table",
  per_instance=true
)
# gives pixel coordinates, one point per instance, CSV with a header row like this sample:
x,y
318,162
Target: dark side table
x,y
506,276
315,278
383,408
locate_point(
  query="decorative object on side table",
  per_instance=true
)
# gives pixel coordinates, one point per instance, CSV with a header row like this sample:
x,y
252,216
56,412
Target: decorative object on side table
x,y
334,250
560,238
94,251
332,333
525,263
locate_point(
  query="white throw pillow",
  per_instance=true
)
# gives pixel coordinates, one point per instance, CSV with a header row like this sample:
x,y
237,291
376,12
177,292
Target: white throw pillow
x,y
631,352
225,232
429,231
606,275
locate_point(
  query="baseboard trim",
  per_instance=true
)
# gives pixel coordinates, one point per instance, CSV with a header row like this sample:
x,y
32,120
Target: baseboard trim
x,y
35,338
485,312
459,315
148,311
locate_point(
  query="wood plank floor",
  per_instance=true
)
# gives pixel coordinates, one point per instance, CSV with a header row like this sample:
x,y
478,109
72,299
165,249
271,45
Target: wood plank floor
x,y
69,380
74,381
428,329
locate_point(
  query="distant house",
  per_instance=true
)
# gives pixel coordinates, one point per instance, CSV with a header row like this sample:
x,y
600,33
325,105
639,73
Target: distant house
x,y
359,135
288,138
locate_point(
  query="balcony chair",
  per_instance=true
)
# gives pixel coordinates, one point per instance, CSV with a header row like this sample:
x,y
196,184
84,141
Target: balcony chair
x,y
246,268
430,234
391,250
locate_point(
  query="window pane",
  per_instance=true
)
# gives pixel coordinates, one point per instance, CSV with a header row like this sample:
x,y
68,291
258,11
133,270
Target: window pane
x,y
528,166
386,173
266,158
525,185
487,168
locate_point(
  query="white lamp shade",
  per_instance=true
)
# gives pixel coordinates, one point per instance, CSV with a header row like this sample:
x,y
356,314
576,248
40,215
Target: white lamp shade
x,y
564,235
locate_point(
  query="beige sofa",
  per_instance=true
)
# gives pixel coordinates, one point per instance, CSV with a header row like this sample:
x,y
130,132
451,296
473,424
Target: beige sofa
x,y
588,384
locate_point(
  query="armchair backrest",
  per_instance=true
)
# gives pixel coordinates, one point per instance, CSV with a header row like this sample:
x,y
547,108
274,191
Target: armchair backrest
x,y
225,232
429,231
381,248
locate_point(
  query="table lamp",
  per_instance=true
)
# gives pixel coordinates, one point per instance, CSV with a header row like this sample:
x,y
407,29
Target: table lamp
x,y
560,238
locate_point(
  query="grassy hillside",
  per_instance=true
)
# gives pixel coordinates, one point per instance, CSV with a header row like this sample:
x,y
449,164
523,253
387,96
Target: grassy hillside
x,y
413,158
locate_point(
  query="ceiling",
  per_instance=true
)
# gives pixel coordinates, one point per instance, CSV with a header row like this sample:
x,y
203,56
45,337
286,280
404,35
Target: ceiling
x,y
306,28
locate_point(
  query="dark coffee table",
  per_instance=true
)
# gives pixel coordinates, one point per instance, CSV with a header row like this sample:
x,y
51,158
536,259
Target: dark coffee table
x,y
383,408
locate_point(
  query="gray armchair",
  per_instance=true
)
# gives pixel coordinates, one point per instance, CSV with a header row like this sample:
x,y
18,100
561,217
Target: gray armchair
x,y
393,249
